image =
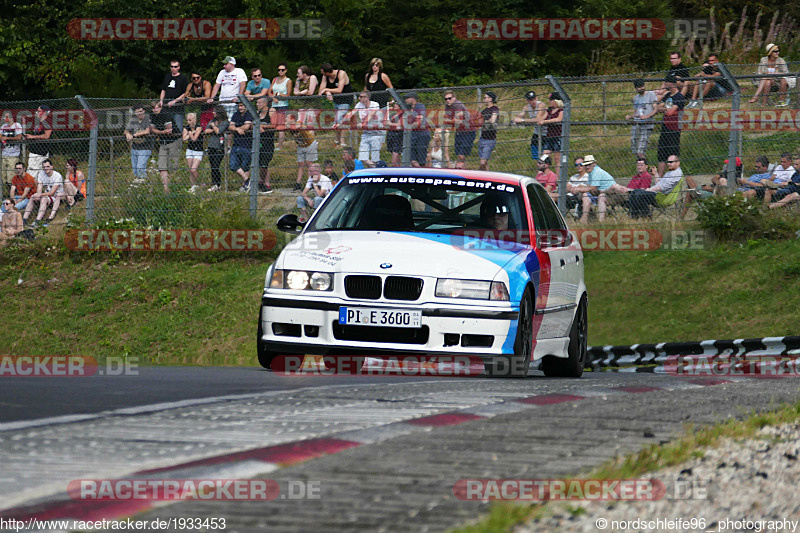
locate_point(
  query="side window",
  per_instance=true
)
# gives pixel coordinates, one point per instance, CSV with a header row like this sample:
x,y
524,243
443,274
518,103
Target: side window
x,y
551,231
539,218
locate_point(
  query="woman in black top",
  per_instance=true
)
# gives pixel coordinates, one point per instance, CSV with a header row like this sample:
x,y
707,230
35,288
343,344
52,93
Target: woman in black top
x,y
194,147
377,81
267,149
216,146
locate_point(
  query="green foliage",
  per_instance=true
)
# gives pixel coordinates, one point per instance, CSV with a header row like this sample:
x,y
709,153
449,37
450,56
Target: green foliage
x,y
729,217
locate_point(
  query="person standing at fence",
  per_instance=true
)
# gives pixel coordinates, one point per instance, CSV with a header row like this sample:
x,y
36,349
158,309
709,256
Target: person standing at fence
x,y
679,71
11,135
644,109
307,145
257,87
137,133
230,84
306,86
49,191
197,94
553,119
671,105
370,119
376,81
335,85
417,120
488,139
39,149
215,130
172,90
169,143
194,148
394,132
267,149
533,112
279,91
242,127
457,116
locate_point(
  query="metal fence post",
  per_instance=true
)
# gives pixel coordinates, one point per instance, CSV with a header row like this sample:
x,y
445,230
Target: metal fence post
x,y
605,117
255,152
92,170
563,171
735,134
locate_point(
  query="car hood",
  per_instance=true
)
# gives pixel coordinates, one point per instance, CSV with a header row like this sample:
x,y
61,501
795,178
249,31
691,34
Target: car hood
x,y
399,253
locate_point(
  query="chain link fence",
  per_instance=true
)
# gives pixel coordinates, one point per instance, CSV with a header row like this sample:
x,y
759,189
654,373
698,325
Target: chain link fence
x,y
131,162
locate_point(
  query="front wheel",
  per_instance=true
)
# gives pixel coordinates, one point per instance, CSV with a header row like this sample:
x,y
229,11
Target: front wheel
x,y
572,366
517,365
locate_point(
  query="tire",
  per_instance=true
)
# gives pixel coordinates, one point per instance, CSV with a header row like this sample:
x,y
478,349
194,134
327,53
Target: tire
x,y
572,366
518,364
265,357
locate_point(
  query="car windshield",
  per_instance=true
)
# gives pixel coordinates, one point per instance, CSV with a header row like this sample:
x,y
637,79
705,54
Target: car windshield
x,y
421,204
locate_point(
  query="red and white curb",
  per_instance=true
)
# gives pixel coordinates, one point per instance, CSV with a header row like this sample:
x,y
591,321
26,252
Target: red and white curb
x,y
259,461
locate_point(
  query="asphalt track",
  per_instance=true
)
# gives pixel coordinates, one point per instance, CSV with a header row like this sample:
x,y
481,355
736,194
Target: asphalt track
x,y
383,453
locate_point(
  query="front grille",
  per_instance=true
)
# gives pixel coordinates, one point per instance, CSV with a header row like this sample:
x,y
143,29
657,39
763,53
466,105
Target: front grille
x,y
364,287
380,334
401,288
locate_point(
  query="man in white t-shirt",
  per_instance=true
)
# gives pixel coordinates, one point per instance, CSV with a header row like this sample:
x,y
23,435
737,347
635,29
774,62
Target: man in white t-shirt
x,y
49,190
11,135
370,116
320,184
231,82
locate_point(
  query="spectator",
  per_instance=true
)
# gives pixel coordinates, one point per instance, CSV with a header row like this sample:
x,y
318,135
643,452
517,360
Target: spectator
x,y
241,125
643,110
789,192
376,81
457,117
420,136
280,91
306,147
194,148
74,184
547,177
601,184
712,81
11,134
488,138
306,86
320,185
137,133
640,200
172,89
642,179
576,181
533,112
772,64
370,119
169,143
350,161
196,97
267,148
679,71
554,116
257,87
394,132
335,85
327,167
11,223
439,153
719,182
671,104
216,146
754,185
494,213
49,191
22,186
230,84
39,150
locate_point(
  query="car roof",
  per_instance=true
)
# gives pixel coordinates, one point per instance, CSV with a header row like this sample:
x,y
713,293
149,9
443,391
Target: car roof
x,y
452,173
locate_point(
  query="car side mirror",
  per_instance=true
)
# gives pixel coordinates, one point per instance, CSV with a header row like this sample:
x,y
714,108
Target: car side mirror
x,y
289,223
553,238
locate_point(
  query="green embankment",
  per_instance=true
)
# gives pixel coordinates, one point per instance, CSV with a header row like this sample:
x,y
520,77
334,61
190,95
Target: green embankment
x,y
178,311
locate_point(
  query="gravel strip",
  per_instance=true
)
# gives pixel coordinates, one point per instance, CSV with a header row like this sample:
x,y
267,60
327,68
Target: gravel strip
x,y
738,486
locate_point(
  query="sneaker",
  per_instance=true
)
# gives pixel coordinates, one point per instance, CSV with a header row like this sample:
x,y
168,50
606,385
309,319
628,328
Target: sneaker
x,y
245,187
139,181
264,189
215,188
298,187
34,224
193,189
784,103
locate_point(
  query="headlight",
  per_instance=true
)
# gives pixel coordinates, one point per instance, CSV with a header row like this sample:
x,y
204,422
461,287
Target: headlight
x,y
300,280
471,289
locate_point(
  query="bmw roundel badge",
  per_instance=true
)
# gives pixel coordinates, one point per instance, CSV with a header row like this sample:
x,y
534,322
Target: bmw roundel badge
x,y
386,265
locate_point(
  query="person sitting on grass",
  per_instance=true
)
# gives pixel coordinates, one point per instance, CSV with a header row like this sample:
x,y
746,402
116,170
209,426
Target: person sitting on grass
x,y
754,186
790,192
49,191
11,224
320,185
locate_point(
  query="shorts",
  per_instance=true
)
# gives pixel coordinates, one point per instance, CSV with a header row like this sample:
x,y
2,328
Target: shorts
x,y
308,153
780,194
240,158
485,148
669,143
265,156
419,146
394,141
194,154
552,143
716,92
230,108
463,143
169,155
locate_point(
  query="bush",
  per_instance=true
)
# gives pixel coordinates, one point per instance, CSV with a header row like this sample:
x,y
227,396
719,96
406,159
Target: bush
x,y
732,218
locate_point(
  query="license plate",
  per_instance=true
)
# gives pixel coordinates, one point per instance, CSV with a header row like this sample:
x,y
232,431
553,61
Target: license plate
x,y
368,316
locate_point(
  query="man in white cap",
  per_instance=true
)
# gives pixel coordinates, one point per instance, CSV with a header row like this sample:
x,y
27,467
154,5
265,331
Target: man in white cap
x,y
231,82
601,184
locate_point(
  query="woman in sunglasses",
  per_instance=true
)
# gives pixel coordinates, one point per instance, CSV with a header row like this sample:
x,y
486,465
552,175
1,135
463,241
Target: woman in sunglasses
x,y
279,92
772,64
